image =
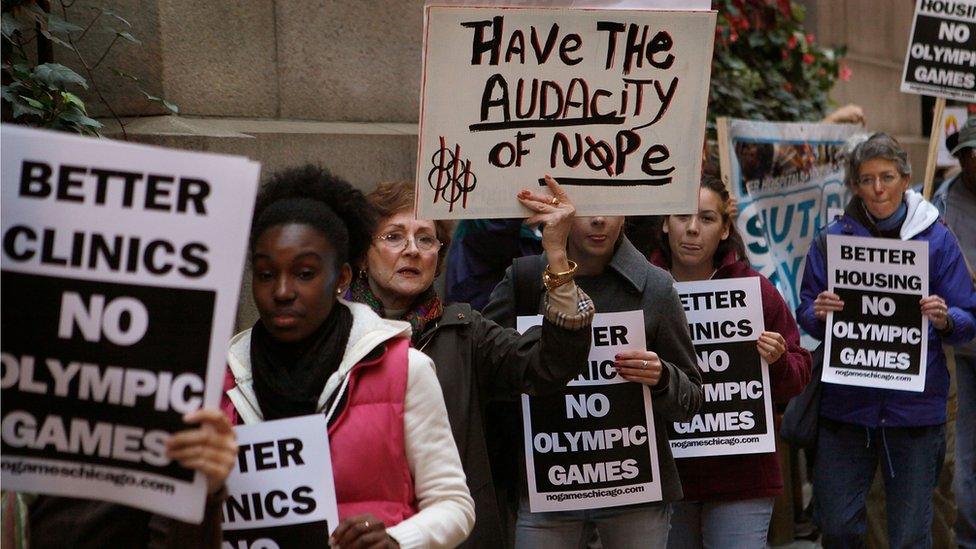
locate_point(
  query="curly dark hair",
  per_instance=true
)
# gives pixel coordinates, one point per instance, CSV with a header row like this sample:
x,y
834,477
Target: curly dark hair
x,y
311,195
731,244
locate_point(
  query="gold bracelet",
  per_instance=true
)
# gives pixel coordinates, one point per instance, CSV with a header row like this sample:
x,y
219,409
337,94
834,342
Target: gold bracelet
x,y
553,280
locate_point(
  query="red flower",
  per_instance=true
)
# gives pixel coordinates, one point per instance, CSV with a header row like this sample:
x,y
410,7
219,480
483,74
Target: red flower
x,y
808,58
786,55
784,6
845,72
809,39
788,87
791,43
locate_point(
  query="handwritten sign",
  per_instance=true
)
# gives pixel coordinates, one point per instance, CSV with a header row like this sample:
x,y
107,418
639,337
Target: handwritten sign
x,y
609,102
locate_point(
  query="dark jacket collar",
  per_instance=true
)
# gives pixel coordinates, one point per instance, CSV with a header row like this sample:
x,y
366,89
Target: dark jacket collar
x,y
630,264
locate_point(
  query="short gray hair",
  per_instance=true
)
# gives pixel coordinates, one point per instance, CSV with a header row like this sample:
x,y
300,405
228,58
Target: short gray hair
x,y
877,145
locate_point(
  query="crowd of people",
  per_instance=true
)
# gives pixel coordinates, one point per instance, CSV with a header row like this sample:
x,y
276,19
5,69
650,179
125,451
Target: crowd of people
x,y
352,327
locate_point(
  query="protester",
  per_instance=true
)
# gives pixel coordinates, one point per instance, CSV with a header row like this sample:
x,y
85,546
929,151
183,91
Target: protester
x,y
210,448
861,426
397,473
480,251
956,201
618,278
729,499
476,359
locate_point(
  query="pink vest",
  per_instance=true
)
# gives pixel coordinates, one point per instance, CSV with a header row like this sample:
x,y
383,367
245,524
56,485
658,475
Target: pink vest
x,y
369,461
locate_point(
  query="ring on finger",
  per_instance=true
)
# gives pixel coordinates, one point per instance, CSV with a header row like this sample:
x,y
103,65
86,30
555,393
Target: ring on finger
x,y
554,201
644,364
366,524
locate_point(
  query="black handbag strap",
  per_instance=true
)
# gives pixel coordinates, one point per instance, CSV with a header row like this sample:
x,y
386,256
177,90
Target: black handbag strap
x,y
527,283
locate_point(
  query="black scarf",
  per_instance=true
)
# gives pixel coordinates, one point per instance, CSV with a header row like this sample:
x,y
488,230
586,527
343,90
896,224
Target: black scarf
x,y
289,377
859,211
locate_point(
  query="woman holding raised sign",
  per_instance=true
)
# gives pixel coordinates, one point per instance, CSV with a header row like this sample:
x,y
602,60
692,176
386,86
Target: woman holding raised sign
x,y
729,499
398,478
476,359
619,280
862,426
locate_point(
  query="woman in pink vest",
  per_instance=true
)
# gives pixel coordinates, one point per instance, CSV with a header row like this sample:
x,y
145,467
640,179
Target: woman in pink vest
x,y
397,473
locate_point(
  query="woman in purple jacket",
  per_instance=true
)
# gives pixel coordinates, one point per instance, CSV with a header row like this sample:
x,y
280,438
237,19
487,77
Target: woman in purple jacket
x,y
729,499
862,426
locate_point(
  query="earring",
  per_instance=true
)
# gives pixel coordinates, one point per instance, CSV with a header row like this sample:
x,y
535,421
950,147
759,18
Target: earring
x,y
340,291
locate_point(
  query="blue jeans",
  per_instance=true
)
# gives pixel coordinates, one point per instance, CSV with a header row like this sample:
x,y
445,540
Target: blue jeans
x,y
964,483
739,524
619,527
847,457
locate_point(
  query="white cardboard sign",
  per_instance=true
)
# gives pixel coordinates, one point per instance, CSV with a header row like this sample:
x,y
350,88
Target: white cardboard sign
x,y
609,102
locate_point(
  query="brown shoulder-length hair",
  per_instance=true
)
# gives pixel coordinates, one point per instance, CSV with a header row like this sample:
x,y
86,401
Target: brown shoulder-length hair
x,y
392,197
731,244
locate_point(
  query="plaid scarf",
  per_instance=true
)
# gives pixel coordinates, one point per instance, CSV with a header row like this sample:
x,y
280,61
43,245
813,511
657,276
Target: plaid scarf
x,y
426,308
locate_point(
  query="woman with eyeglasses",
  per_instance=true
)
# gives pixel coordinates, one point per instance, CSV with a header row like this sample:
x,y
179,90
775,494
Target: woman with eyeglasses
x,y
861,427
476,360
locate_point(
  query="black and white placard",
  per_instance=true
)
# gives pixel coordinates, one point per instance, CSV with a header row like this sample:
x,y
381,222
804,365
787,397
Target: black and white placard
x,y
281,492
121,271
725,319
941,58
880,338
593,444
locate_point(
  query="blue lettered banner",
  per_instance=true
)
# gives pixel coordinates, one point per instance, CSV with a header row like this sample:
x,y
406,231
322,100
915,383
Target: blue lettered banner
x,y
789,181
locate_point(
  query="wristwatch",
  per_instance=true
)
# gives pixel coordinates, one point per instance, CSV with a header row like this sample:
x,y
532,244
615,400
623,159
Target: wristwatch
x,y
553,280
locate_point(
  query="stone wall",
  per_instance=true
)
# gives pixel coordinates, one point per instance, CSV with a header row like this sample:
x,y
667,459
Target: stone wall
x,y
337,82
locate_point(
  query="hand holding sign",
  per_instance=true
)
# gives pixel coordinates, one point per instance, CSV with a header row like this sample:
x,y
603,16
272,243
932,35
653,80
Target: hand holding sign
x,y
935,308
362,531
211,448
556,214
771,346
639,366
827,302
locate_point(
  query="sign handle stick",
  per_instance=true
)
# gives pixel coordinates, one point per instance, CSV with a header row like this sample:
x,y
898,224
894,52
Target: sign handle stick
x,y
935,135
724,156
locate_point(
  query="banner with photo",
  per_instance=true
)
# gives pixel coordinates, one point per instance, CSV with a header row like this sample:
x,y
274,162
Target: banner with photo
x,y
788,179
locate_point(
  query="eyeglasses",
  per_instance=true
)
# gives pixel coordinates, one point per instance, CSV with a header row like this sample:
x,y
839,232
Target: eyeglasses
x,y
888,178
397,242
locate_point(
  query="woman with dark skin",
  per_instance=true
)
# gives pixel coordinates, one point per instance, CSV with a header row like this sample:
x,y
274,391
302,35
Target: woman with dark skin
x,y
396,469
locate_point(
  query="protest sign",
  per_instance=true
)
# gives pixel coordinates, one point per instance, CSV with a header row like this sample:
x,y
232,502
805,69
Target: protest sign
x,y
121,270
281,492
880,338
725,319
593,444
941,57
953,119
788,179
610,102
